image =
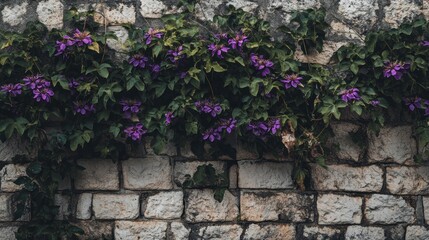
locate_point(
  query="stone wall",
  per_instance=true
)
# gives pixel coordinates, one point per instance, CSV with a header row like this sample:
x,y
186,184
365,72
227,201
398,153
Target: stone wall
x,y
369,191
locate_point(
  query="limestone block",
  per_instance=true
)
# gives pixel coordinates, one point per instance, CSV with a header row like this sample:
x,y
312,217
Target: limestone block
x,y
164,205
417,233
183,168
155,9
270,232
179,231
359,232
6,212
220,232
63,202
321,233
262,206
153,172
387,209
148,230
324,57
359,13
401,10
347,178
339,209
14,14
393,144
117,15
120,43
426,208
260,174
99,174
348,149
95,229
407,180
15,146
50,13
8,232
9,173
83,206
115,206
202,207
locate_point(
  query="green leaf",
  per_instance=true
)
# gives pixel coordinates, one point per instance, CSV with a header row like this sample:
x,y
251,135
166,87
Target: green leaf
x,y
34,168
218,68
94,47
354,68
103,72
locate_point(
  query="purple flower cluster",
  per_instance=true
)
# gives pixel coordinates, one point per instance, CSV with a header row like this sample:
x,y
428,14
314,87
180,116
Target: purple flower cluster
x,y
292,80
135,132
413,103
261,64
176,54
214,133
130,107
83,107
238,41
152,33
138,60
217,49
78,39
207,106
264,128
375,102
395,69
168,118
12,89
351,94
425,43
41,87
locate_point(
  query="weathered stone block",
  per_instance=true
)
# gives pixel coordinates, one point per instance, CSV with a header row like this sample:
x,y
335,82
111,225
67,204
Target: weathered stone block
x,y
394,144
324,57
115,206
127,230
339,209
99,174
359,13
220,232
63,202
83,206
321,233
6,212
164,205
387,209
407,180
183,168
14,14
16,146
153,172
178,231
273,206
260,174
8,232
347,178
9,173
118,44
50,13
119,14
95,229
155,9
202,207
401,10
417,233
270,232
348,149
359,232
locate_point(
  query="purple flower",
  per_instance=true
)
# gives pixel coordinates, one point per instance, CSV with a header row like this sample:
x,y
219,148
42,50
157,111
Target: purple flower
x,y
217,49
73,84
375,102
135,132
413,103
182,75
36,81
262,128
221,36
207,106
238,41
395,69
168,117
425,43
227,124
61,46
83,108
292,80
350,94
152,33
132,106
426,107
211,134
155,68
176,55
138,60
261,64
81,38
12,89
44,94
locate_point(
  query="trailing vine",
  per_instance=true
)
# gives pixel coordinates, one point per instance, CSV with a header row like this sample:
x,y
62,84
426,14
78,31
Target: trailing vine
x,y
189,82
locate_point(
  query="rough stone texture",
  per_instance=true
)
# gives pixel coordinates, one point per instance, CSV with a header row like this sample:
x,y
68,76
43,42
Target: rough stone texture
x,y
149,230
206,10
273,206
164,205
401,10
119,45
321,233
220,232
426,208
359,232
115,206
153,172
417,233
63,201
348,149
407,180
179,231
8,174
260,174
83,206
393,144
270,232
50,13
14,15
324,57
155,9
339,209
8,232
6,213
96,230
13,147
202,207
181,169
386,209
233,176
361,12
119,14
338,28
99,174
347,178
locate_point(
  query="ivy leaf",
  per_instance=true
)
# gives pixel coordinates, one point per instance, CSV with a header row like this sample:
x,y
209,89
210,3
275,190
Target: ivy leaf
x,y
94,47
218,68
103,72
354,68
